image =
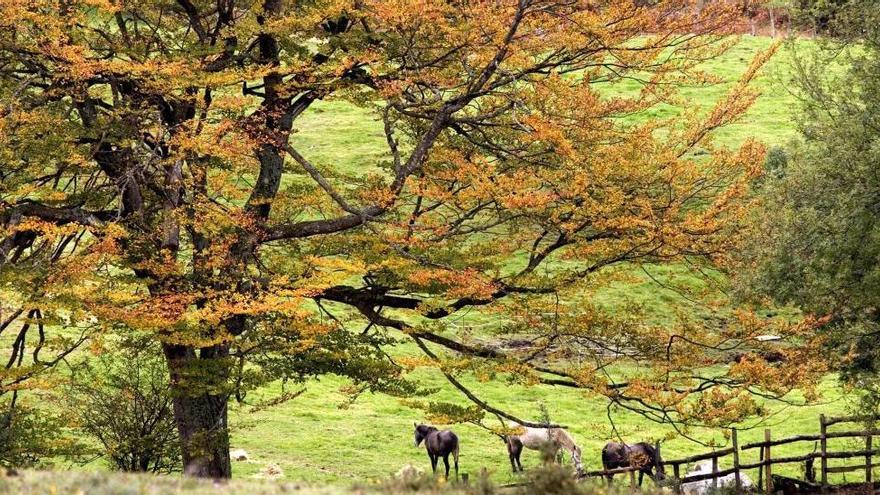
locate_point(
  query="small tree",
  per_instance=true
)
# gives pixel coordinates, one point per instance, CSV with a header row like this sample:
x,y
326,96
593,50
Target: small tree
x,y
830,17
816,242
126,405
28,436
28,432
774,7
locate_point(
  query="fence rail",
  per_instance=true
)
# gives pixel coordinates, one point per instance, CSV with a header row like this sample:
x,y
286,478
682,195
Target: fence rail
x,y
701,457
767,461
781,441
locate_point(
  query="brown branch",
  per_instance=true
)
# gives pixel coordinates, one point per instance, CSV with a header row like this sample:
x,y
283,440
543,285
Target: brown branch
x,y
316,175
194,18
11,213
476,400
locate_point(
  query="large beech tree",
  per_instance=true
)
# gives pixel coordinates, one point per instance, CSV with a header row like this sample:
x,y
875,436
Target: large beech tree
x,y
149,184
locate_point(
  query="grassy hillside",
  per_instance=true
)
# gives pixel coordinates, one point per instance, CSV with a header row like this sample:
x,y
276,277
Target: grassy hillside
x,y
343,137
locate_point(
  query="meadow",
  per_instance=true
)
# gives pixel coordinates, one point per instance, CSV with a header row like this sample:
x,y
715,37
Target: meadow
x,y
322,437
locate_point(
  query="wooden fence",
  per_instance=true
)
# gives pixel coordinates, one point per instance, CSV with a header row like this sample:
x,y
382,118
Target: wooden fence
x,y
767,461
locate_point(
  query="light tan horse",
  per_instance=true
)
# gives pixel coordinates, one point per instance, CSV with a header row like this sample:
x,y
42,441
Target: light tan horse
x,y
552,439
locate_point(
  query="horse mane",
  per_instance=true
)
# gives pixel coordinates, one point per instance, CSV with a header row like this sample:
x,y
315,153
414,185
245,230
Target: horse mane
x,y
563,437
427,428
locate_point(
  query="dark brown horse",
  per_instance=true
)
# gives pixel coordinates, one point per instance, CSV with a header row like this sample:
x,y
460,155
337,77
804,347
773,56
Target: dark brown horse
x,y
641,455
438,444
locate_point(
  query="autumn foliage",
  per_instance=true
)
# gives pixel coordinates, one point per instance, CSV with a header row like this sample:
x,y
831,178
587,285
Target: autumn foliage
x,y
149,185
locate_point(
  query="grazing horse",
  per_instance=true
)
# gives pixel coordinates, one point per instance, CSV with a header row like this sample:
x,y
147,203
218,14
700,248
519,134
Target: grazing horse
x,y
553,439
438,444
641,455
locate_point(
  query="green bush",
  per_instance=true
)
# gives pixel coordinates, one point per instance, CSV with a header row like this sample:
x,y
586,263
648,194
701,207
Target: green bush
x,y
126,406
28,436
776,162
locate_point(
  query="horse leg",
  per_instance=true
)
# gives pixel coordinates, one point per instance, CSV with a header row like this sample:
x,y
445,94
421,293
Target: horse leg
x,y
608,477
641,476
455,457
446,463
509,442
433,463
514,449
518,455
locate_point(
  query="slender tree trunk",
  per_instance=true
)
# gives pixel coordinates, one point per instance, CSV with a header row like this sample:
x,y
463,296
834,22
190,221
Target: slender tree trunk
x,y
772,22
201,416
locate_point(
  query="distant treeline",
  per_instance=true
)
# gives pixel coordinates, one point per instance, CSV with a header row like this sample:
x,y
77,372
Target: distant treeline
x,y
781,17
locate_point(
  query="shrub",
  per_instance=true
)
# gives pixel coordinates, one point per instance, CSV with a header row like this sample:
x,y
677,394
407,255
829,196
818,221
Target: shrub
x,y
27,436
127,407
551,479
776,162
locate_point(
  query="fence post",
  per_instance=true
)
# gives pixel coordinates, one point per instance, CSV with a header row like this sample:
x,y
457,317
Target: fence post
x,y
761,468
657,462
736,475
675,471
823,445
869,466
768,469
761,453
715,472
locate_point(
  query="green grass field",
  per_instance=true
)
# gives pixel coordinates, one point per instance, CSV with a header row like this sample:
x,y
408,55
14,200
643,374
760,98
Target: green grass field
x,y
312,438
320,438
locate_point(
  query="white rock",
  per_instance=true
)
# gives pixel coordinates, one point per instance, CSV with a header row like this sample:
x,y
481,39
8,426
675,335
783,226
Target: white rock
x,y
272,471
705,486
238,455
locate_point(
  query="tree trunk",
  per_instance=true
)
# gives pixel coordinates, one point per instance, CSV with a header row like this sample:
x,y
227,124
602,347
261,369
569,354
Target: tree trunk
x,y
202,424
201,416
772,22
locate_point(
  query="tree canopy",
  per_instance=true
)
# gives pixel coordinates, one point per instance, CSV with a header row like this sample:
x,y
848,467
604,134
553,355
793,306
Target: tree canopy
x,y
149,185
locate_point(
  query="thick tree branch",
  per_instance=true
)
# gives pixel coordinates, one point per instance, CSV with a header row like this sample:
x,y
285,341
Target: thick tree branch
x,y
10,214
